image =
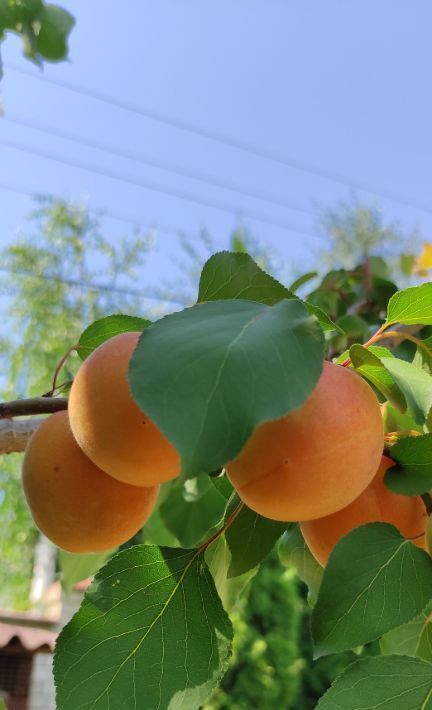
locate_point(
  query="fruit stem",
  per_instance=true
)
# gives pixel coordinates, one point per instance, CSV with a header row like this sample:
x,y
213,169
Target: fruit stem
x,y
58,368
373,339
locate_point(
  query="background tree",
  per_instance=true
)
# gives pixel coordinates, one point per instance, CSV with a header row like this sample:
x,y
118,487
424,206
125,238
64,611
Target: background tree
x,y
49,276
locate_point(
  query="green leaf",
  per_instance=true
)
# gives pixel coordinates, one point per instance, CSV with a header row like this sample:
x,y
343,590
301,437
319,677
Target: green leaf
x,y
74,568
236,363
415,384
151,632
384,682
106,328
236,275
293,552
192,510
375,580
370,366
229,275
302,280
413,306
412,474
353,326
250,538
424,646
404,640
218,558
155,531
56,25
422,358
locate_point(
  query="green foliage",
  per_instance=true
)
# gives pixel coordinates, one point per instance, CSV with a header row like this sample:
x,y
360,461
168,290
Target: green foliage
x,y
265,667
250,538
411,306
192,510
387,682
151,630
411,639
368,589
416,386
74,568
43,27
241,363
372,368
293,552
413,473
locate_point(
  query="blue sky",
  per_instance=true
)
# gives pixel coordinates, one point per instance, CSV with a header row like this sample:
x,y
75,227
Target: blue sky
x,y
337,85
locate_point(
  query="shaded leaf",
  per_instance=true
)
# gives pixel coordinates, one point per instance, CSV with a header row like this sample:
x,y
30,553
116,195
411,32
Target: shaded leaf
x,y
106,328
412,474
370,366
293,552
55,27
237,364
403,640
375,581
151,632
192,509
250,538
74,568
384,682
218,558
413,306
415,384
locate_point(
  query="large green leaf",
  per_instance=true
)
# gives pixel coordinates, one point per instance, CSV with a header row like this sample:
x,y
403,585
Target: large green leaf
x,y
55,26
423,356
74,568
235,275
250,538
375,581
412,474
370,366
424,646
381,682
415,384
192,509
106,328
411,306
293,552
209,375
150,633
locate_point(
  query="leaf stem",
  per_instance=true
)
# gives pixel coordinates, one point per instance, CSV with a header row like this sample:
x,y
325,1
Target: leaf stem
x,y
224,527
60,365
376,336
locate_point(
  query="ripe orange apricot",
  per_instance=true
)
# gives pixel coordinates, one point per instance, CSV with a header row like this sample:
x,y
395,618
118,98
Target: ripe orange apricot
x,y
108,425
377,504
316,459
75,504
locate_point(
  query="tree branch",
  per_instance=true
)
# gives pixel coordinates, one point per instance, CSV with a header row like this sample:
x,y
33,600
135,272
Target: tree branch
x,y
15,435
36,405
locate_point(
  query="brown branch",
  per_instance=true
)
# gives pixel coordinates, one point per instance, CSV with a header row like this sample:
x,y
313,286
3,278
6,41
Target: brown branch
x,y
36,405
15,435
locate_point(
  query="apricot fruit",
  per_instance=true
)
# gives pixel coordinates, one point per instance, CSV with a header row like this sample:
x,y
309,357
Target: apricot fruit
x,y
316,459
75,504
377,504
108,425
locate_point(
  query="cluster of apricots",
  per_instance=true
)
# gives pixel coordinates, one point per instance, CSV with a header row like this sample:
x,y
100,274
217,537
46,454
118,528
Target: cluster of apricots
x,y
91,474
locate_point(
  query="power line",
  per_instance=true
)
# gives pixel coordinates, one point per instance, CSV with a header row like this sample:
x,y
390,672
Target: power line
x,y
91,286
161,165
121,217
155,187
224,139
